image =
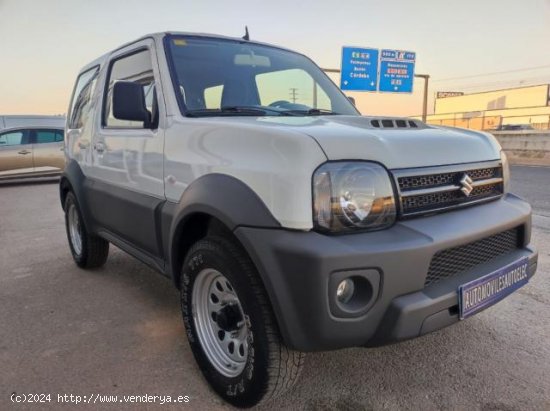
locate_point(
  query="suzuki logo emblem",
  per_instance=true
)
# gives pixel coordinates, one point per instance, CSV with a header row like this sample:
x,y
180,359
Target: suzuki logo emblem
x,y
466,183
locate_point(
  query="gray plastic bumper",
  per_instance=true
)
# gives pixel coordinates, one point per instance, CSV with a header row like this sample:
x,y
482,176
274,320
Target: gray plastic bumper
x,y
298,270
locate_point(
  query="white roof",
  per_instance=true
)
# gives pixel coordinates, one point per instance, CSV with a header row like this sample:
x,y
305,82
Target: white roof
x,y
160,35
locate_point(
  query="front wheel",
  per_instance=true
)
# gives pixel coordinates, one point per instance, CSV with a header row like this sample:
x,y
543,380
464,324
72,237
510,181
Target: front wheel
x,y
231,327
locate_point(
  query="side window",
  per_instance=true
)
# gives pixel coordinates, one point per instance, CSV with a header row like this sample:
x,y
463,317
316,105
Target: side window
x,y
44,136
294,86
138,68
213,96
82,97
59,135
150,97
14,138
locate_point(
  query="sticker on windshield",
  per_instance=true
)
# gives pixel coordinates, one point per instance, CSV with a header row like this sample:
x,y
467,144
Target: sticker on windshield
x,y
180,42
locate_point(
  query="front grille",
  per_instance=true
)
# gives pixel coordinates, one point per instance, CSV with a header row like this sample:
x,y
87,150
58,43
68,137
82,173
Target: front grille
x,y
423,191
434,180
452,261
448,198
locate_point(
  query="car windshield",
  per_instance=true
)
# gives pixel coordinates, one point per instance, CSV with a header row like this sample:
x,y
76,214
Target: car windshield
x,y
218,77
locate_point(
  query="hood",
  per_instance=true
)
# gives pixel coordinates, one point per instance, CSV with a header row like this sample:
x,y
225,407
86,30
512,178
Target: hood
x,y
355,138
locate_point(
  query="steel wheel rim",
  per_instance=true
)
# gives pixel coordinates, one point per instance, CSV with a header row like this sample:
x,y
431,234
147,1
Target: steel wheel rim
x,y
74,229
213,296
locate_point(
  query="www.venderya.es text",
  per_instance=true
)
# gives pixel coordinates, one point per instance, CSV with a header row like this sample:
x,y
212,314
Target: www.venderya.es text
x,y
95,398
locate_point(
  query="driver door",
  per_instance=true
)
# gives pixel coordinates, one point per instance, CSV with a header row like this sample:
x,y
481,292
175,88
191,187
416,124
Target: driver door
x,y
127,156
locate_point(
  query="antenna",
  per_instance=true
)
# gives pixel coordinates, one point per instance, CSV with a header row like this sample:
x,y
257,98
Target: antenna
x,y
246,36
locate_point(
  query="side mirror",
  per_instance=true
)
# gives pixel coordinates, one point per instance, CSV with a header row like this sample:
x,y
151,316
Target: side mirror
x,y
129,102
351,100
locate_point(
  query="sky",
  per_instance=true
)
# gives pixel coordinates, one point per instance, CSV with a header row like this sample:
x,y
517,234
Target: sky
x,y
43,44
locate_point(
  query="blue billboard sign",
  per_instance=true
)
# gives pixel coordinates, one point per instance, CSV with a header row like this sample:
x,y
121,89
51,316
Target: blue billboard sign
x,y
396,71
359,71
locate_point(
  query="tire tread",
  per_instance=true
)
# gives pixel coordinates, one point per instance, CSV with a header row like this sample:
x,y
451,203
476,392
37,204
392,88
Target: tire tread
x,y
285,365
98,251
95,250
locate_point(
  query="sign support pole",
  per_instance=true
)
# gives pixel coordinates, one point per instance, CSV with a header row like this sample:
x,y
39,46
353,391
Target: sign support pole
x,y
425,77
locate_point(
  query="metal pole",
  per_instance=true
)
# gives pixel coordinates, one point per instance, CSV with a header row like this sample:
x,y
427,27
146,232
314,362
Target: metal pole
x,y
293,94
426,78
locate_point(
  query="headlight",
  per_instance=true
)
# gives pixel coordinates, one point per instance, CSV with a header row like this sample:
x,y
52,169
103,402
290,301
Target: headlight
x,y
505,171
351,196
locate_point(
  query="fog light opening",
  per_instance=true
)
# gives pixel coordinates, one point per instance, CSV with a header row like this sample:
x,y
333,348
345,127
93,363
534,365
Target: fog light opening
x,y
354,294
345,291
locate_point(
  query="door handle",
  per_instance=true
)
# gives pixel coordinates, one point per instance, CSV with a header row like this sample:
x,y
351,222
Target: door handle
x,y
99,147
24,152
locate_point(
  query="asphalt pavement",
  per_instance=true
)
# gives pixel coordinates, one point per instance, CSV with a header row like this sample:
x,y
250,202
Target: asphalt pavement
x,y
118,331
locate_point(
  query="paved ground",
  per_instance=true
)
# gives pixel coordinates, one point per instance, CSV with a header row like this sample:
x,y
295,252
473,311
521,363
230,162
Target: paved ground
x,y
118,331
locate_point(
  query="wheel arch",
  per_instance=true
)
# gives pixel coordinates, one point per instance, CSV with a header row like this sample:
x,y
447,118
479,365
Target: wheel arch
x,y
64,188
214,203
73,180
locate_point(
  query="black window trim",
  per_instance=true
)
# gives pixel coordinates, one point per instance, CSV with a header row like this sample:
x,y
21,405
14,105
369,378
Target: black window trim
x,y
172,69
70,111
173,75
112,61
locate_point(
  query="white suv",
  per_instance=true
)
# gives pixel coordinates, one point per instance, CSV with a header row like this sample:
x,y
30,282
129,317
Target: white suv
x,y
289,222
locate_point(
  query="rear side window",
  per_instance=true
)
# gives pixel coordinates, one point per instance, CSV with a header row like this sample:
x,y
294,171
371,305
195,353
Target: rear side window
x,y
14,138
82,97
48,136
138,68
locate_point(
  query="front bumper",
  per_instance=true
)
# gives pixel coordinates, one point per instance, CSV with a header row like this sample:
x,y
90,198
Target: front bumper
x,y
297,267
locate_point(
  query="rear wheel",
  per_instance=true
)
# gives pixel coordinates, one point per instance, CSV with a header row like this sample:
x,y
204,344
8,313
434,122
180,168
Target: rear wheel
x,y
231,327
89,251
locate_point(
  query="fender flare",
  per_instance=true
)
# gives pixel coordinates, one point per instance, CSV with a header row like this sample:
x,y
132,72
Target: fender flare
x,y
223,197
73,179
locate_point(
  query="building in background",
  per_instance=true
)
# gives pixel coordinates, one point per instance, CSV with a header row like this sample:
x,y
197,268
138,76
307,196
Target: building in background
x,y
515,108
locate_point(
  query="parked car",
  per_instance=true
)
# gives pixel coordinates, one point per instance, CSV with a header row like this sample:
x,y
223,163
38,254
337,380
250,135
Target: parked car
x,y
31,146
289,224
14,121
514,127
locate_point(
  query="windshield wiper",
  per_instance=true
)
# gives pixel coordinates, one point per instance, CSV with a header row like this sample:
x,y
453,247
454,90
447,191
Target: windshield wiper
x,y
314,112
237,111
265,109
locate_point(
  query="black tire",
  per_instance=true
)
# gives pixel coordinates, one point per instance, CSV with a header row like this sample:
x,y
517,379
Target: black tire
x,y
94,250
271,368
